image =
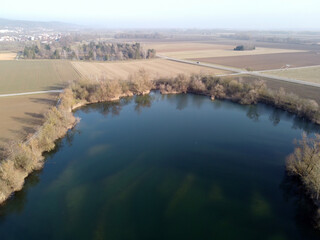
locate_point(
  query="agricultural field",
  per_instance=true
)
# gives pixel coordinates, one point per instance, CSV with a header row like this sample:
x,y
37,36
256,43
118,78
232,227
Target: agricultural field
x,y
157,68
205,50
266,61
26,76
309,74
20,115
278,45
163,47
7,56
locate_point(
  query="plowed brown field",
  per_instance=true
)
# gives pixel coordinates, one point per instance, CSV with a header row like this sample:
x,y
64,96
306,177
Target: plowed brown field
x,y
266,61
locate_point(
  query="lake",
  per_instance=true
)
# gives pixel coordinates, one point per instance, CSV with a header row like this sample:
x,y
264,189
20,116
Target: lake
x,y
167,167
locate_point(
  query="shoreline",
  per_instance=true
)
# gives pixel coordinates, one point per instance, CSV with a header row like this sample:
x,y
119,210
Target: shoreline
x,y
4,198
24,174
28,156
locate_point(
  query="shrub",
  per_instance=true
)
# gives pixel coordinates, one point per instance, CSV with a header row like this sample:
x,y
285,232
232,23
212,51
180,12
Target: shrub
x,y
179,84
10,177
305,163
210,82
140,82
24,158
196,84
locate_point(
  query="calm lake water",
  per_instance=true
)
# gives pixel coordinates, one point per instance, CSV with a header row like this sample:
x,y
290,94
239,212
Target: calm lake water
x,y
167,167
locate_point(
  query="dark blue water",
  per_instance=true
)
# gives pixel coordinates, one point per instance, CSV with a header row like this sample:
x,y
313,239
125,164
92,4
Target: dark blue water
x,y
167,167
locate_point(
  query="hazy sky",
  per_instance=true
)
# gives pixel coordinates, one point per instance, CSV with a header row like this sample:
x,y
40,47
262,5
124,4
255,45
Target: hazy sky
x,y
245,14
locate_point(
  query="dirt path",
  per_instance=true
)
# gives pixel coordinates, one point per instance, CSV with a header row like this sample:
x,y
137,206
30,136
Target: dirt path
x,y
238,71
235,71
30,93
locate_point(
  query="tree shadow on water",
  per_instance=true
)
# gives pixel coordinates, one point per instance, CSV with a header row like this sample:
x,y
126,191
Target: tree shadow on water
x,y
305,125
253,113
16,203
106,108
275,116
142,101
306,212
182,101
198,100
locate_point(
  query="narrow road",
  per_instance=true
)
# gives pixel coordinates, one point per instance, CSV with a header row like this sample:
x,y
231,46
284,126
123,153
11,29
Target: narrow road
x,y
236,71
240,71
225,68
30,93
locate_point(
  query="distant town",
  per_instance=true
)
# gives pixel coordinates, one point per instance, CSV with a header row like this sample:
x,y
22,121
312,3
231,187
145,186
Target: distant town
x,y
45,36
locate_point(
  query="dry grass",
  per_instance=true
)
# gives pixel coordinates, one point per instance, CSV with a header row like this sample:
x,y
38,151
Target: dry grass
x,y
19,116
27,76
7,56
225,53
156,68
162,47
310,74
184,50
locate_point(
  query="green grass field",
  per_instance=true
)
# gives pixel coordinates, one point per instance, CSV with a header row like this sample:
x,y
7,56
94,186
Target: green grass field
x,y
310,74
27,76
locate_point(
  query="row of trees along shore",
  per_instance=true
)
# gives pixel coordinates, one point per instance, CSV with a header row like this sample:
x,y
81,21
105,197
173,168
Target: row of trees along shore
x,y
94,51
24,157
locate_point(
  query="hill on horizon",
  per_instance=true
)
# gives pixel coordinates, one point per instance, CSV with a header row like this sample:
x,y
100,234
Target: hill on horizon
x,y
9,23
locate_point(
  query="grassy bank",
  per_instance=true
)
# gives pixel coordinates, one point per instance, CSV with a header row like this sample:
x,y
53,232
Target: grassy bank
x,y
23,158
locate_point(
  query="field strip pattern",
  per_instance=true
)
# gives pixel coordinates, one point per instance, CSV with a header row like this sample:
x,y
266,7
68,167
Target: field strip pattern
x,y
227,53
225,68
239,71
264,62
156,68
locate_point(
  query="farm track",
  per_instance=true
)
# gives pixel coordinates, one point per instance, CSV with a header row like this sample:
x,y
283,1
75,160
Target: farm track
x,y
235,71
263,61
30,93
240,71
